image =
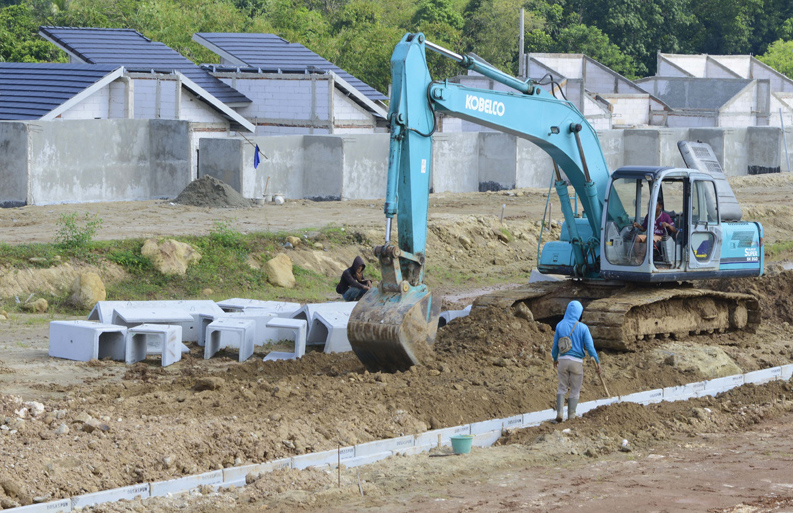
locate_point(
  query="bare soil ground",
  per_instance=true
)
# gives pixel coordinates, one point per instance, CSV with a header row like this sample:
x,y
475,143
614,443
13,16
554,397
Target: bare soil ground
x,y
102,424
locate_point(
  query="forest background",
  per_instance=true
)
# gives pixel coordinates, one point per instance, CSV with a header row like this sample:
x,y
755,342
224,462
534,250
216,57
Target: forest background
x,y
359,35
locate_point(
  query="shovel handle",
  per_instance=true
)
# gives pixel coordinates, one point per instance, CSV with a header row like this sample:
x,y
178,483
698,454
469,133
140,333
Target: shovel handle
x,y
604,385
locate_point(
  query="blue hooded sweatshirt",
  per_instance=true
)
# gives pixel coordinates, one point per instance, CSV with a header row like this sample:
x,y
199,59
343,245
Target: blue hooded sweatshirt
x,y
581,338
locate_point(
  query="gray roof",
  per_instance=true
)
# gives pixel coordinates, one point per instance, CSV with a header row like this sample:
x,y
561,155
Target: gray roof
x,y
129,48
31,90
270,52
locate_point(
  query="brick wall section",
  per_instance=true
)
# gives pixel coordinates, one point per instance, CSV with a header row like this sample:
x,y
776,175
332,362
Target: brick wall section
x,y
93,107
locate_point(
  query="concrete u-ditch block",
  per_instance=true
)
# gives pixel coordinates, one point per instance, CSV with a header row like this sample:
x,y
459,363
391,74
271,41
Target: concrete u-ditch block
x,y
165,339
280,308
298,326
106,311
183,484
450,315
138,491
86,340
329,329
230,332
309,310
60,506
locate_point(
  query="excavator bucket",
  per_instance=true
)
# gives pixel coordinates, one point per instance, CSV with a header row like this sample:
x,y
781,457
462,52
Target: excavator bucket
x,y
392,331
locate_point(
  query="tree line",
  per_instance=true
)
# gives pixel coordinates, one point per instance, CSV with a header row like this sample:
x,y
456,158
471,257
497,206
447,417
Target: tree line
x,y
359,35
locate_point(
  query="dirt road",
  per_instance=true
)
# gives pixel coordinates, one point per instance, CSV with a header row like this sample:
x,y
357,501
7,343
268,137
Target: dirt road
x,y
201,415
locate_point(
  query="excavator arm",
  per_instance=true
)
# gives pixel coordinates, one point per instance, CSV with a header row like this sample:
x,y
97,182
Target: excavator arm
x,y
395,321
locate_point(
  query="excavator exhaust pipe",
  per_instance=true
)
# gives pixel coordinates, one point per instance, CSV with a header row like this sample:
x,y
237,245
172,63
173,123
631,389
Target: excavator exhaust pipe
x,y
393,331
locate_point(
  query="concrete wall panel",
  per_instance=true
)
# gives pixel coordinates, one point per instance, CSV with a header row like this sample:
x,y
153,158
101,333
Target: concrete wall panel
x,y
534,166
171,169
323,167
497,161
90,160
729,145
222,159
365,166
13,164
455,166
612,143
765,148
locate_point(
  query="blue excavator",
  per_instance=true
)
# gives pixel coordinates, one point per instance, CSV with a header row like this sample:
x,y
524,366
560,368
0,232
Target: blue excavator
x,y
635,284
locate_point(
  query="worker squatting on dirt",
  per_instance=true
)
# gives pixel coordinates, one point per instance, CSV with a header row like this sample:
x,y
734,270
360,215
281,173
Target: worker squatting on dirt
x,y
569,361
352,286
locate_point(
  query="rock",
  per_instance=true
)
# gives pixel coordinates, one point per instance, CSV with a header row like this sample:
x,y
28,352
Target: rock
x,y
435,423
170,256
6,503
522,311
3,315
37,260
294,241
87,290
210,383
279,271
38,306
465,242
82,418
11,488
63,429
207,292
167,461
94,425
35,408
503,237
319,246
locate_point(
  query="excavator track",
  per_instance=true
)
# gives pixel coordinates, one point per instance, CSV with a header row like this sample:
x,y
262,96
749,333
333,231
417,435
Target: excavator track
x,y
621,317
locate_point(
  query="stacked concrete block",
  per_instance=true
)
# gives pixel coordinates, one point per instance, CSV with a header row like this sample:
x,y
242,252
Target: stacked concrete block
x,y
298,326
132,313
161,339
230,332
284,308
86,340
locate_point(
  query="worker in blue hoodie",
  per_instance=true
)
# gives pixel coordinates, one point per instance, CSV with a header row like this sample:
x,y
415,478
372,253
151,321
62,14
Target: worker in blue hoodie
x,y
570,341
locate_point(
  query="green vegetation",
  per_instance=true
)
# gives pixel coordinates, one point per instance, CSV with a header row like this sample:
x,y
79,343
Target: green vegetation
x,y
231,265
359,35
778,250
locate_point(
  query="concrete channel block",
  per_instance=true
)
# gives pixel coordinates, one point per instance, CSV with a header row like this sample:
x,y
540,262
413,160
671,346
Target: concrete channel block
x,y
591,405
282,308
538,417
763,376
183,484
486,426
719,385
138,491
59,506
316,460
86,340
787,372
329,330
237,475
389,444
486,439
309,310
431,438
450,315
299,329
366,460
164,339
230,332
105,311
514,422
646,397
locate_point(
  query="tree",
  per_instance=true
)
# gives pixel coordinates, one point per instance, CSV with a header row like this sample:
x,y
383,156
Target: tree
x,y
780,57
19,39
641,28
724,27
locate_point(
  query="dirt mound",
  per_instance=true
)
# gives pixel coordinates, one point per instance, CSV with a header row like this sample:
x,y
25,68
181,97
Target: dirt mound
x,y
774,290
208,191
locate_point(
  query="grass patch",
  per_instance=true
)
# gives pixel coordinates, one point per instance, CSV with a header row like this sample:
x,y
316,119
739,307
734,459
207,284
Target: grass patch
x,y
778,250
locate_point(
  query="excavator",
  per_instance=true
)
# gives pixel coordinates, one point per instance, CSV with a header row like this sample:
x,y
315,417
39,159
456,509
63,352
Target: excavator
x,y
633,288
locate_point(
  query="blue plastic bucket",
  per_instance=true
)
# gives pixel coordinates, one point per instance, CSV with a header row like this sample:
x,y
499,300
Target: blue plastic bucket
x,y
461,444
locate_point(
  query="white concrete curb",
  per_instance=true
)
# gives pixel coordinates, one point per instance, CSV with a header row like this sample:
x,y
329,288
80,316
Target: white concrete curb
x,y
486,433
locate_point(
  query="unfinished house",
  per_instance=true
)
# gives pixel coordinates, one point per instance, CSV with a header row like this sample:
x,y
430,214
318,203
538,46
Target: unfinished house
x,y
158,82
292,89
721,91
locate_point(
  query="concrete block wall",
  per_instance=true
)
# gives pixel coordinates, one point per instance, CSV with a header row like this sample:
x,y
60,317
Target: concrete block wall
x,y
729,145
78,161
629,110
145,98
118,100
654,147
739,112
344,109
95,106
13,163
199,112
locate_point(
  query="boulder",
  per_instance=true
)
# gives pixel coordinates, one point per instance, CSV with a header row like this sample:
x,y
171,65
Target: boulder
x,y
38,306
87,290
294,241
279,271
170,256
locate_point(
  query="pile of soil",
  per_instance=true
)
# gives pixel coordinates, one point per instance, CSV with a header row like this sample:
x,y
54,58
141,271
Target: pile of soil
x,y
210,192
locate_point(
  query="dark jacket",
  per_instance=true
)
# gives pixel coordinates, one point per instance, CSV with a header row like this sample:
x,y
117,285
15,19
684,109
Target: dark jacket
x,y
348,277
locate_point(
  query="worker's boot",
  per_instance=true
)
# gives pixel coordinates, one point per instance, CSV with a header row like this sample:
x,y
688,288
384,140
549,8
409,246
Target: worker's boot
x,y
571,405
559,407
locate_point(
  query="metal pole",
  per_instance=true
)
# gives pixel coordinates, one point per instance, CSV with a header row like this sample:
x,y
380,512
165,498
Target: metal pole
x,y
784,139
521,64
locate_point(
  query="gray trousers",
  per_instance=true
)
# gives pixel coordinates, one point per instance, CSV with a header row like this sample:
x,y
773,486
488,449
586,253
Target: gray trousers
x,y
571,377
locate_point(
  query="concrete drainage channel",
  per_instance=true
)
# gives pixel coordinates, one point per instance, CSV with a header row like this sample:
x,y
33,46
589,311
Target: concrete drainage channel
x,y
484,434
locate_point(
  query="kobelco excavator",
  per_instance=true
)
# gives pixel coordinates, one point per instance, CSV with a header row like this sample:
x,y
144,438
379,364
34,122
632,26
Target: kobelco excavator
x,y
633,285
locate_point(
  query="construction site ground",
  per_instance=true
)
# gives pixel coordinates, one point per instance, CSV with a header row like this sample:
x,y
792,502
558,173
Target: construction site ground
x,y
105,424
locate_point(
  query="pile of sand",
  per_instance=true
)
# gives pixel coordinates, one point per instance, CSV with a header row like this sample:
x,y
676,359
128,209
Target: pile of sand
x,y
208,191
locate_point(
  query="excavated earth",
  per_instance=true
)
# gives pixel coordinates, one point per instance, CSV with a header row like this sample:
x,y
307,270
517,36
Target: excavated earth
x,y
69,428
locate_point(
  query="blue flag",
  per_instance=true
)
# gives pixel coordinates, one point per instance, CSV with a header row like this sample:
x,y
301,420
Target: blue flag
x,y
256,157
